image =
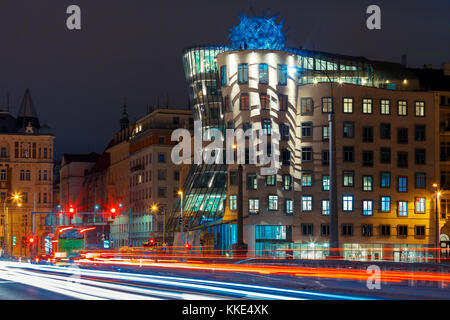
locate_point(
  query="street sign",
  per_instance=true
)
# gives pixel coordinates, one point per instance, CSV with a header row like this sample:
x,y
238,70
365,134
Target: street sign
x,y
14,240
105,244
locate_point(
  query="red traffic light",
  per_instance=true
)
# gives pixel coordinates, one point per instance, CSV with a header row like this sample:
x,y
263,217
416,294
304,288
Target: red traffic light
x,y
71,210
31,240
187,246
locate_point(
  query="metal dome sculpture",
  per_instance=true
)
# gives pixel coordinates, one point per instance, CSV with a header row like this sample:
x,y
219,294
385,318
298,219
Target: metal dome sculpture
x,y
259,32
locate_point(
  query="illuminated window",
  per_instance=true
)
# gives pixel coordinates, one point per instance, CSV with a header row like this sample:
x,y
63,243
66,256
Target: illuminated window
x,y
253,206
348,178
243,101
287,182
233,202
306,179
349,129
367,106
420,109
263,73
252,181
385,204
402,208
325,183
243,73
267,126
289,207
326,207
420,205
326,105
347,203
325,132
265,101
402,184
306,105
273,202
402,108
282,74
306,203
223,75
348,105
367,207
385,107
367,183
271,180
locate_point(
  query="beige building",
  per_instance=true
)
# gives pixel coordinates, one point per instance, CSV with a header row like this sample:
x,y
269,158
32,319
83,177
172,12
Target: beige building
x,y
26,170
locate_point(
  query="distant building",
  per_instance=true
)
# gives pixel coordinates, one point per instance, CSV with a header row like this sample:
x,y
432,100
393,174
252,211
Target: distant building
x,y
26,169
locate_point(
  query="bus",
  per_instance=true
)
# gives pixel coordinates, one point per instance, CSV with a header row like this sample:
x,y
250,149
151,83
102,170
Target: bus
x,y
66,243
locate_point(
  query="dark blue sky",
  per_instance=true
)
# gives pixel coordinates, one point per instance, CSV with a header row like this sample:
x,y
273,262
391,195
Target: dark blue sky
x,y
132,49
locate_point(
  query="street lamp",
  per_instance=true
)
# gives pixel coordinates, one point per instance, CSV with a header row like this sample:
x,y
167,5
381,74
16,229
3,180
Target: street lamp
x,y
181,215
16,197
437,233
154,208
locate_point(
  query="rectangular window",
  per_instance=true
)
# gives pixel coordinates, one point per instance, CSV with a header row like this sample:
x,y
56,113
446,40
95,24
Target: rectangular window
x,y
271,180
243,73
420,180
273,202
367,207
385,131
420,133
385,230
348,178
284,132
420,109
367,134
325,183
223,75
253,206
233,202
385,204
420,231
306,105
326,104
420,205
402,108
226,104
287,182
324,229
348,105
367,230
420,156
282,74
161,157
307,129
402,184
325,157
326,207
265,101
244,102
385,106
347,230
285,157
347,203
367,106
325,133
367,158
233,178
283,101
267,126
3,176
402,208
367,183
306,179
307,229
289,207
306,203
402,230
349,129
348,154
385,155
263,73
252,181
402,135
402,159
306,153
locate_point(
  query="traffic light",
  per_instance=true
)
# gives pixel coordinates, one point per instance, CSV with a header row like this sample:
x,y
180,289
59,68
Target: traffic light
x,y
113,212
31,241
71,211
187,246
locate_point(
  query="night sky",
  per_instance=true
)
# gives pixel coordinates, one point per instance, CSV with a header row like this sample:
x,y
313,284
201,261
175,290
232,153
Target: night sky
x,y
132,49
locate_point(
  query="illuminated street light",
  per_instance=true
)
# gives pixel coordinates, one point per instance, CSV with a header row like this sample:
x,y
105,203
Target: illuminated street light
x,y
437,233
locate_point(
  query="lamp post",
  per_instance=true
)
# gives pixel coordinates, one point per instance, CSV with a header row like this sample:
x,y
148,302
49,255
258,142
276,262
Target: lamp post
x,y
437,233
181,216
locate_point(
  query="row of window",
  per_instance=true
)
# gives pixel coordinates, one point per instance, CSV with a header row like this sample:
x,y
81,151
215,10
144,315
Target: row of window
x,y
307,106
42,197
146,193
28,150
348,155
147,159
367,230
25,175
367,206
263,74
147,176
367,132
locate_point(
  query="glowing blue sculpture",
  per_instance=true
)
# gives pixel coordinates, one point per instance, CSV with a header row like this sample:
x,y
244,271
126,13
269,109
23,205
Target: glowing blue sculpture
x,y
259,32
